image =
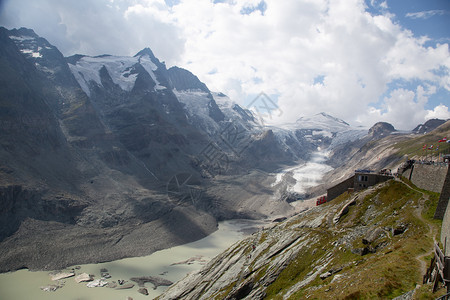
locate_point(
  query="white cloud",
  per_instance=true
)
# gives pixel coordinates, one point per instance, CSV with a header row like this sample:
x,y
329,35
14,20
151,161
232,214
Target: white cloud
x,y
426,14
405,108
99,27
294,42
439,112
280,52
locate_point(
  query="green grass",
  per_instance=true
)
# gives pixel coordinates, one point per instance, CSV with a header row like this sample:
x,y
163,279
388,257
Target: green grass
x,y
414,146
299,267
391,271
430,206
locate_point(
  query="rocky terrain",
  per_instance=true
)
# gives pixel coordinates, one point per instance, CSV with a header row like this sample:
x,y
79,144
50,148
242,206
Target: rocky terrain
x,y
362,245
428,126
108,157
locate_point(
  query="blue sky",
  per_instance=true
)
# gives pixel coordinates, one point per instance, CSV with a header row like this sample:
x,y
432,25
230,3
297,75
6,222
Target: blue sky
x,y
430,18
359,60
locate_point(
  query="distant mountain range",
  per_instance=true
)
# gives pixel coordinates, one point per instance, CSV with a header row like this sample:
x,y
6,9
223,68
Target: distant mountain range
x,y
428,126
92,151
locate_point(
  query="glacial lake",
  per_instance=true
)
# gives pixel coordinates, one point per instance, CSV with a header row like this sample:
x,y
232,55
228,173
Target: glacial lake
x,y
168,264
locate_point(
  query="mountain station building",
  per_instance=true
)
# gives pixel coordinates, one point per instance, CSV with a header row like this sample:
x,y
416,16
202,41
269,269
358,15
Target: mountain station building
x,y
360,180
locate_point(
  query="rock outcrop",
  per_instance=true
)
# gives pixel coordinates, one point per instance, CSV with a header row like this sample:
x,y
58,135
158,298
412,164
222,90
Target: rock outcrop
x,y
83,277
381,129
428,126
87,148
311,256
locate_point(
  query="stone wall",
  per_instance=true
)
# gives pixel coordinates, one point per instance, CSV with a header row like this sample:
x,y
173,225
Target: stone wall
x,y
407,173
428,177
443,201
340,188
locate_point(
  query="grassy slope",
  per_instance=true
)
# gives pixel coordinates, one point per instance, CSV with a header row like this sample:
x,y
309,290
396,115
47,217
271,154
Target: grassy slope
x,y
393,270
414,147
397,265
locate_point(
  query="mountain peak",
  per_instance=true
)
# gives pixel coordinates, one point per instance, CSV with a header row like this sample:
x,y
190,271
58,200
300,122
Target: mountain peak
x,y
145,51
428,126
321,121
325,115
22,31
381,129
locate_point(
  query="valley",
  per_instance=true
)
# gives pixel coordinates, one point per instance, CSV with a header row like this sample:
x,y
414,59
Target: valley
x,y
104,158
90,145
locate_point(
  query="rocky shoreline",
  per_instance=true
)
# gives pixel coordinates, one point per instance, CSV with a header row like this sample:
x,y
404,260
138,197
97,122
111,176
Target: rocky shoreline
x,y
133,277
46,246
105,281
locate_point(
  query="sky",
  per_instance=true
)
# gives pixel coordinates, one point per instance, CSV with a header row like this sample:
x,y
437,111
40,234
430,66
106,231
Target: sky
x,y
363,61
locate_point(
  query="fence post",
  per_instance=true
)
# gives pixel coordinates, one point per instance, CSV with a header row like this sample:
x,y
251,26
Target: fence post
x,y
447,273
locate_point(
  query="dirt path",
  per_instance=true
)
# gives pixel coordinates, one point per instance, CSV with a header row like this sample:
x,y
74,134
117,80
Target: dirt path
x,y
418,212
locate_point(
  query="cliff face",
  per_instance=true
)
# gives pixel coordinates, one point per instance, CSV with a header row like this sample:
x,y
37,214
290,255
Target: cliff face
x,y
91,150
360,245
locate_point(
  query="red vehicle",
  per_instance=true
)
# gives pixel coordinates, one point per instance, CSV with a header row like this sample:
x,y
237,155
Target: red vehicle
x,y
321,200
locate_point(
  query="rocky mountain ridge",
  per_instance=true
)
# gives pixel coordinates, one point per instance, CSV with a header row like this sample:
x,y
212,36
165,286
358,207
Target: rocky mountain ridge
x,y
92,151
428,126
90,147
350,247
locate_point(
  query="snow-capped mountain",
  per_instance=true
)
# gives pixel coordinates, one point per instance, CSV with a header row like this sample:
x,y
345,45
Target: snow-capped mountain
x,y
179,97
322,121
93,143
122,70
324,131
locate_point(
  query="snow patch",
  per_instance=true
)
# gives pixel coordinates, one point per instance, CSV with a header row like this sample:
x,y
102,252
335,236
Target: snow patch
x,y
150,67
223,101
347,136
21,38
196,106
322,133
120,69
31,52
318,122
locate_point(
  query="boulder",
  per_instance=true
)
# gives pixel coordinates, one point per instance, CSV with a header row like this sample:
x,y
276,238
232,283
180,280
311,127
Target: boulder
x,y
325,275
372,235
83,277
143,291
62,275
50,288
156,281
330,272
125,286
344,210
399,229
337,277
360,251
96,283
